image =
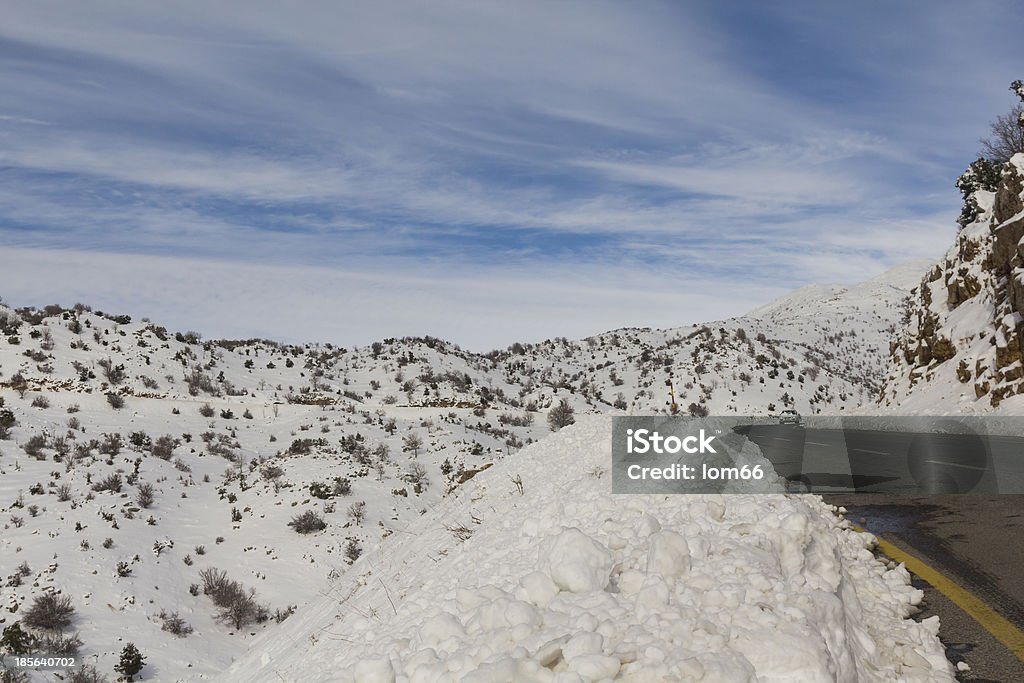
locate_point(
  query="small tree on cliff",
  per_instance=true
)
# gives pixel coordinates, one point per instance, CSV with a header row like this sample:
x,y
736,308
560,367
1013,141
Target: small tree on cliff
x,y
1006,139
982,174
1007,136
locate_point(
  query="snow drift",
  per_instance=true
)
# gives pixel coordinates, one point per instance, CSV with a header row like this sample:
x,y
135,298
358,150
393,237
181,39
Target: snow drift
x,y
533,571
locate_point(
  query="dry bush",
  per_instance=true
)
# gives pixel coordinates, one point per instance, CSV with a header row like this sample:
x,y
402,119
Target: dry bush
x,y
50,612
308,522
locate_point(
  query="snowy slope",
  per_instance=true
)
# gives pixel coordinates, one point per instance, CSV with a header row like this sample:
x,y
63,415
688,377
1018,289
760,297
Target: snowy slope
x,y
224,490
238,438
823,348
560,581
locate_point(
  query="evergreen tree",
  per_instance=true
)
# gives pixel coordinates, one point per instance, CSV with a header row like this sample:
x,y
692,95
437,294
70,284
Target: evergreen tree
x,y
982,174
131,662
16,640
6,422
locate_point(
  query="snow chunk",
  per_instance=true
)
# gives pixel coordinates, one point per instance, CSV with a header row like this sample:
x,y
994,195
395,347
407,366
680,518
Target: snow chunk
x,y
595,667
377,670
440,627
538,588
577,563
669,555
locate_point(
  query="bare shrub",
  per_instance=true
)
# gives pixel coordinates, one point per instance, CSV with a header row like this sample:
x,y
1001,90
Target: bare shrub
x,y
35,445
87,673
114,374
698,410
198,381
417,476
64,493
111,444
308,522
174,624
242,609
49,612
357,511
60,644
112,482
163,447
215,584
1007,137
237,606
561,416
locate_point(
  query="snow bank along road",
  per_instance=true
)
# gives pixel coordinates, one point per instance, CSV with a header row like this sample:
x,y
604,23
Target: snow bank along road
x,y
534,571
968,549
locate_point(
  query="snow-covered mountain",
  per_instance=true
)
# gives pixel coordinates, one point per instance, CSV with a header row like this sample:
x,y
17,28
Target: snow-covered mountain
x,y
960,349
161,482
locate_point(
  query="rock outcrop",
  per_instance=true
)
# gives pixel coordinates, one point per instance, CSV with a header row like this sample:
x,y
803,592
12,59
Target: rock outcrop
x,y
964,324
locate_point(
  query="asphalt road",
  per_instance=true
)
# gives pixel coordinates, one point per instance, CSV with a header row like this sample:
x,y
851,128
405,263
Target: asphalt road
x,y
834,460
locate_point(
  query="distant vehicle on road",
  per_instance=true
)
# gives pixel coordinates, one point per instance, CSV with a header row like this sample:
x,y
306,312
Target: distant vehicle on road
x,y
789,417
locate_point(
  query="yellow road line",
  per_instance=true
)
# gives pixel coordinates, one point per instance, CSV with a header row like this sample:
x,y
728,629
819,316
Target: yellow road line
x,y
1005,632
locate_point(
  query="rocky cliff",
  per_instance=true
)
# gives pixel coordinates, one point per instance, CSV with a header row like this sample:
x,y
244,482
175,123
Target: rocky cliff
x,y
962,344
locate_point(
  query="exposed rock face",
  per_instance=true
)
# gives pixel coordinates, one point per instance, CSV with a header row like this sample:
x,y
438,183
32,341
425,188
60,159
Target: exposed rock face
x,y
969,308
1008,229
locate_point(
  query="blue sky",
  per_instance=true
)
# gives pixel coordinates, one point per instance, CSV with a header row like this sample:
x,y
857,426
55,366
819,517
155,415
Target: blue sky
x,y
485,172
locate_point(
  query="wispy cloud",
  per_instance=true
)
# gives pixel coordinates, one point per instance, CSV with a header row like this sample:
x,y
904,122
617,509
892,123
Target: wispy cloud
x,y
751,144
483,308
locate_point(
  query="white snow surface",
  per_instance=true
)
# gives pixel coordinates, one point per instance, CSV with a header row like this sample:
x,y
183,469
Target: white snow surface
x,y
820,351
566,582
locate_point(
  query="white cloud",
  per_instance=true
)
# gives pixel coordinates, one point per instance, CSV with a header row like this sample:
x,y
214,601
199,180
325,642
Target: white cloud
x,y
427,140
232,173
479,308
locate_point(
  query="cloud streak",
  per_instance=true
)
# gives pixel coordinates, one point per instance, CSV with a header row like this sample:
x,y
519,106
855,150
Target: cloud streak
x,y
759,146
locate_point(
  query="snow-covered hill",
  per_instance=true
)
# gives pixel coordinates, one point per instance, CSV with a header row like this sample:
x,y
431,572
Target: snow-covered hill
x,y
135,461
822,348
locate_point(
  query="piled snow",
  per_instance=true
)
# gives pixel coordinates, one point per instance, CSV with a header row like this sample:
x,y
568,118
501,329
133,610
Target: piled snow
x,y
566,582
